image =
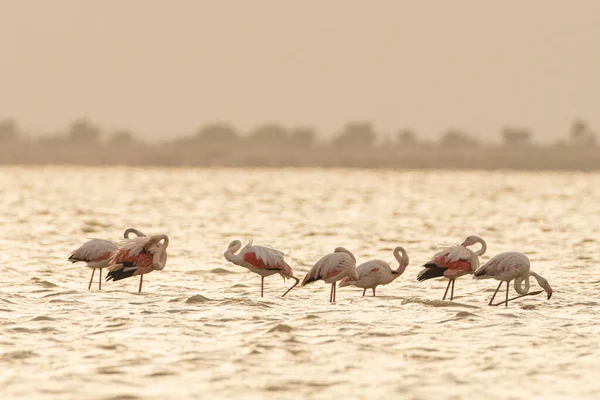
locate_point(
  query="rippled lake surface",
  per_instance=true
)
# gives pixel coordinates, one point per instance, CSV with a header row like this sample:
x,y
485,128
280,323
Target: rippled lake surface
x,y
201,330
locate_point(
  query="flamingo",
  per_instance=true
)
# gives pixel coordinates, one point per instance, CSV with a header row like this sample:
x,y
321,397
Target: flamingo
x,y
138,256
508,266
332,268
96,253
453,262
377,272
261,260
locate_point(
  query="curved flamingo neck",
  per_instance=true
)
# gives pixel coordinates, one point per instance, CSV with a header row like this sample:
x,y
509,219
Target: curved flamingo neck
x,y
402,260
343,250
230,253
159,260
519,284
132,230
540,279
483,248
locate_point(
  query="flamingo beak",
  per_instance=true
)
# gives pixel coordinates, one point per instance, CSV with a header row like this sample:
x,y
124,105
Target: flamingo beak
x,y
548,290
464,244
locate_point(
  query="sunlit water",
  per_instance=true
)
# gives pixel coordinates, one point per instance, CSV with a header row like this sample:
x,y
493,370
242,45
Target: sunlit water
x,y
201,330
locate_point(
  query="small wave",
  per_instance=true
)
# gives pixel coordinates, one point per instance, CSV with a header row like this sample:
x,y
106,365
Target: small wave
x,y
60,301
19,355
43,283
112,347
587,240
116,325
280,328
43,318
528,307
21,329
585,303
123,397
381,334
246,302
220,271
95,223
197,298
177,311
61,293
436,303
273,388
464,314
108,371
160,373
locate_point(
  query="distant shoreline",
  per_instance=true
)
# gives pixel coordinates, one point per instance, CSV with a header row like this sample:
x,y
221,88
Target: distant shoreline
x,y
534,158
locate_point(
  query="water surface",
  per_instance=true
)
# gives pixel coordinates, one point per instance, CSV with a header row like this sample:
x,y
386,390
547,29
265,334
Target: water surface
x,y
201,330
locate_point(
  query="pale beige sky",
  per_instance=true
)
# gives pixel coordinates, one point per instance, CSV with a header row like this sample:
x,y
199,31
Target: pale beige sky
x,y
166,67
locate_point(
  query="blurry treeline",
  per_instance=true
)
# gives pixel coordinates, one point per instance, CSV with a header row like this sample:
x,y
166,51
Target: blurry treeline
x,y
357,144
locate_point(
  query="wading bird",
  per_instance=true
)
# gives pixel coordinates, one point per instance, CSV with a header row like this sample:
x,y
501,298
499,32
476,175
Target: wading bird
x,y
97,252
453,262
332,268
261,260
508,266
377,272
138,256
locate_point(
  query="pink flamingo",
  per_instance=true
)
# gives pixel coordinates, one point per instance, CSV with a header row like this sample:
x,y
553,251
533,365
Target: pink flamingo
x,y
138,256
377,272
261,260
96,253
332,268
505,267
453,262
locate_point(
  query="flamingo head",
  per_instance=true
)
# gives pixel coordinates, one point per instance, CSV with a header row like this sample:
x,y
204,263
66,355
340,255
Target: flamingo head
x,y
543,282
470,241
234,246
548,289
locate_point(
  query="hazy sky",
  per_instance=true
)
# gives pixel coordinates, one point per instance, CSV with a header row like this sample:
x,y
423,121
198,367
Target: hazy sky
x,y
166,67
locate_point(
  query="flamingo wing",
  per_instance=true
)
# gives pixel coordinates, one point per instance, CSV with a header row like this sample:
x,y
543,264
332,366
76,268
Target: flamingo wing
x,y
503,267
328,267
372,267
455,257
370,271
133,257
93,250
125,264
450,262
267,258
134,246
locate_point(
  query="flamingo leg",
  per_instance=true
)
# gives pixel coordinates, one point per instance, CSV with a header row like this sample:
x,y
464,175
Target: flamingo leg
x,y
518,297
452,292
498,288
90,285
100,280
334,291
446,292
140,288
331,293
293,286
373,292
364,291
262,285
506,305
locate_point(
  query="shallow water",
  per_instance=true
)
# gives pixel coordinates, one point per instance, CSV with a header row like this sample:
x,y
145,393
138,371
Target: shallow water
x,y
201,330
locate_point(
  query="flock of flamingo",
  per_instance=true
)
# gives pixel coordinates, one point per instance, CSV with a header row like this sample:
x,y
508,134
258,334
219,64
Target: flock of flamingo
x,y
143,254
